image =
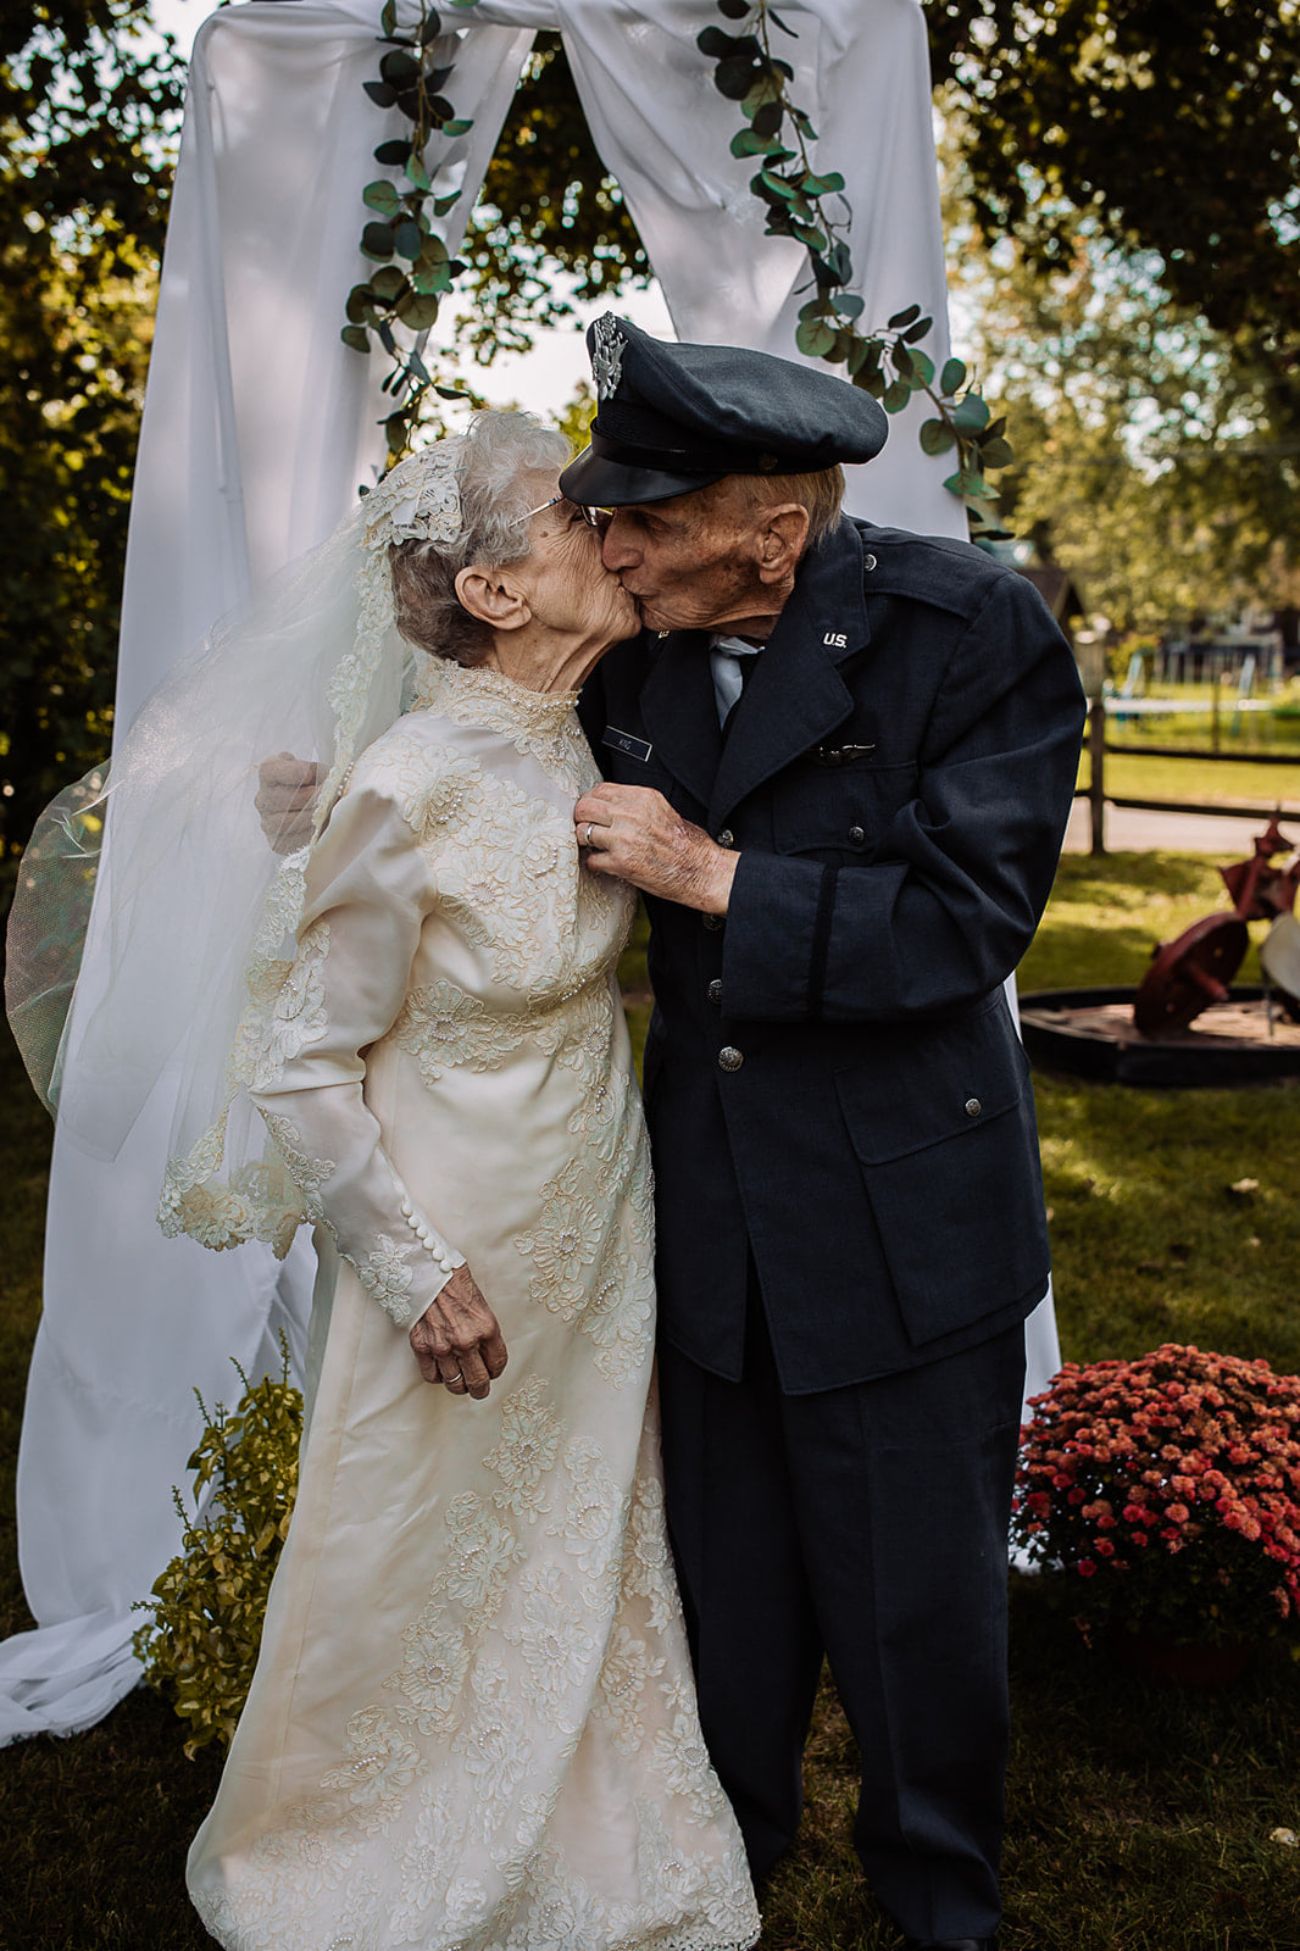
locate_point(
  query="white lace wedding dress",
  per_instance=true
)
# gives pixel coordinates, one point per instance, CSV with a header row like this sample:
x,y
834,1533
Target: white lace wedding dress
x,y
472,1723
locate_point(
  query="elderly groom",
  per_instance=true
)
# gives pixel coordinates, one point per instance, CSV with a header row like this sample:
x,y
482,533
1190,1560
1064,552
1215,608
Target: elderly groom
x,y
840,760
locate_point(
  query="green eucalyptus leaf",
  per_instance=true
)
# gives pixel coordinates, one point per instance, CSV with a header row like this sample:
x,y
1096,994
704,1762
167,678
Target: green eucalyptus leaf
x,y
408,238
897,396
430,31
380,93
902,361
814,338
808,234
461,125
996,452
803,123
971,414
735,9
356,337
418,311
915,333
777,21
734,78
359,302
766,116
398,67
822,185
431,282
952,377
377,240
381,196
858,356
417,173
439,107
393,154
720,46
442,204
450,393
871,380
936,436
779,185
388,17
389,283
922,368
433,249
849,305
907,317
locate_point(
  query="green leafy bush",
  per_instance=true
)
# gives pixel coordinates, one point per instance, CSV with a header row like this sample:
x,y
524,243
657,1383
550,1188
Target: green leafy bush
x,y
200,1646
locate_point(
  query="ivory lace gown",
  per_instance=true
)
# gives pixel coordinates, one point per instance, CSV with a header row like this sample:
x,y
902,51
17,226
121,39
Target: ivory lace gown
x,y
472,1723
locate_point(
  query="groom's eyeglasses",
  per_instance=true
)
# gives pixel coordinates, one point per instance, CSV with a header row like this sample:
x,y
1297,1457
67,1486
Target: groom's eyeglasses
x,y
594,517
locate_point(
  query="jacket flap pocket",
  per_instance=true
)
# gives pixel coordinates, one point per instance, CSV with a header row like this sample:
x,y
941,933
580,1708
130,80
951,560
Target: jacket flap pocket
x,y
931,1081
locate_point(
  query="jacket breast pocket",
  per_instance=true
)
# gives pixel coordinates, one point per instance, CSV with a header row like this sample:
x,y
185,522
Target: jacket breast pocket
x,y
838,813
943,1126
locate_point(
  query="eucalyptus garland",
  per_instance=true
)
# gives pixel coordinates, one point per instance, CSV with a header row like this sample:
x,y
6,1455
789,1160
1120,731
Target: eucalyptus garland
x,y
415,269
886,361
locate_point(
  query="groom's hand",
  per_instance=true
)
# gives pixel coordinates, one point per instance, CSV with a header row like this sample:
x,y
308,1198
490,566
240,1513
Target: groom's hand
x,y
457,1340
286,789
633,832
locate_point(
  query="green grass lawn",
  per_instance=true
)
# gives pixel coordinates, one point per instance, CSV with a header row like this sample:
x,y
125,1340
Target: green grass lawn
x,y
1140,1819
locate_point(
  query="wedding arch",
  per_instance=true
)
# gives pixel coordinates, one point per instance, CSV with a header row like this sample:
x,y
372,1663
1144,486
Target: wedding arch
x,y
259,426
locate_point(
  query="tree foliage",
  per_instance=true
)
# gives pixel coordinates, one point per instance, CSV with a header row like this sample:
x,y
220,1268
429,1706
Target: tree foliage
x,y
85,111
1147,457
1173,126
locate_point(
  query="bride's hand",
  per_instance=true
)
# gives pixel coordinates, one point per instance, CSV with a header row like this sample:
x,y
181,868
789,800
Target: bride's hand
x,y
457,1340
286,791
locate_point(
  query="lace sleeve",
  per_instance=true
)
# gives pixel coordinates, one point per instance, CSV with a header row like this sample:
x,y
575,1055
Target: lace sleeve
x,y
369,889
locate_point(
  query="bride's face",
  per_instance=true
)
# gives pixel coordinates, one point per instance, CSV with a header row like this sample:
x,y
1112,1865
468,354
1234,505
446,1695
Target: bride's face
x,y
566,584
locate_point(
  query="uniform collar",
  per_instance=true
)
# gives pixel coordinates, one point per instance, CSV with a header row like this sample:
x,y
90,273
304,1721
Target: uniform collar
x,y
797,695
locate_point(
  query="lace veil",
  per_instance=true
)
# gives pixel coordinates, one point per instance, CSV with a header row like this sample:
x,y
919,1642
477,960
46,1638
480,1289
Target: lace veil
x,y
153,924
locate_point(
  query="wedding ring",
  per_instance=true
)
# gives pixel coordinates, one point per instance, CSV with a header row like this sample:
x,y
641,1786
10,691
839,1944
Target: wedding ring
x,y
587,841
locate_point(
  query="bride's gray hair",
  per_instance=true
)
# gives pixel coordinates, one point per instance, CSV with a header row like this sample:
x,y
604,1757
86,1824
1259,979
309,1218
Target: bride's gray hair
x,y
500,451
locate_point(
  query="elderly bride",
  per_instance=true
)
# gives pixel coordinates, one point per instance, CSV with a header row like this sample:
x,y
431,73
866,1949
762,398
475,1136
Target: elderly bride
x,y
472,1722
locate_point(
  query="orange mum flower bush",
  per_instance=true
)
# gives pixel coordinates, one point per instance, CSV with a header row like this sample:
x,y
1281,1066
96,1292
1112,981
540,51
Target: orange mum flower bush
x,y
1164,1494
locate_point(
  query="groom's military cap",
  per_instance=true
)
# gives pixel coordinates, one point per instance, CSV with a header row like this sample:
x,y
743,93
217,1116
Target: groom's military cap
x,y
671,418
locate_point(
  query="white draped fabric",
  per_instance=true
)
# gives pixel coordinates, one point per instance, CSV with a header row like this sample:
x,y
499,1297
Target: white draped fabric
x,y
259,426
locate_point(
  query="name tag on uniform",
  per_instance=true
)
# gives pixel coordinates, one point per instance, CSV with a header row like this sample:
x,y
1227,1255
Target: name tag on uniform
x,y
635,748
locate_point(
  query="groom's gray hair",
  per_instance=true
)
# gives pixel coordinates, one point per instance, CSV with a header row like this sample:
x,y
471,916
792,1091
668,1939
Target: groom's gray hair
x,y
501,450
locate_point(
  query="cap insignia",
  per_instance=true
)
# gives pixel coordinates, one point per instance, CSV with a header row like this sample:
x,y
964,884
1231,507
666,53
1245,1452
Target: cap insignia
x,y
608,347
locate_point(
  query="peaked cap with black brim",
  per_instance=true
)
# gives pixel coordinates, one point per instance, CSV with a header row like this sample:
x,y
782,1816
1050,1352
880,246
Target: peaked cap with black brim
x,y
672,418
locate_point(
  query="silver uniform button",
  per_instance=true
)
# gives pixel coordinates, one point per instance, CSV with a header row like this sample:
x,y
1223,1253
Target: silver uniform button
x,y
973,1107
726,838
715,990
729,1058
868,563
857,835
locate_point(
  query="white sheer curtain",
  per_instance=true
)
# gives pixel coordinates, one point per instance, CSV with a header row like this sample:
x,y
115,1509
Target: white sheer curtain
x,y
259,426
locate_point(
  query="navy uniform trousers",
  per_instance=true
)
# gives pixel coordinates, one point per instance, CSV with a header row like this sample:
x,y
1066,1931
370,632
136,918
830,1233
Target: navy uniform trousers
x,y
855,1523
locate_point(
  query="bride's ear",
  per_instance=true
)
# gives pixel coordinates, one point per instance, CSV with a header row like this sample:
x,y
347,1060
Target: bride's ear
x,y
493,597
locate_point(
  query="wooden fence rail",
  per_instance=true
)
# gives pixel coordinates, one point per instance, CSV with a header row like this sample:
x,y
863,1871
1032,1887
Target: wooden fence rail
x,y
1099,748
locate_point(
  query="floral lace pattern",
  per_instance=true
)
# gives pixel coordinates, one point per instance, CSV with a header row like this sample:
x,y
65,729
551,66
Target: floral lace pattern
x,y
507,1670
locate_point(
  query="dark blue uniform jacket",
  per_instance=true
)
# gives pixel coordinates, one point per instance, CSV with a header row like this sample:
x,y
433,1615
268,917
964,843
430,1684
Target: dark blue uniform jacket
x,y
897,778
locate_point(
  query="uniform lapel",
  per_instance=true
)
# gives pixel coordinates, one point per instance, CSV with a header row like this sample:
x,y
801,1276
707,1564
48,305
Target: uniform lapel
x,y
680,713
797,695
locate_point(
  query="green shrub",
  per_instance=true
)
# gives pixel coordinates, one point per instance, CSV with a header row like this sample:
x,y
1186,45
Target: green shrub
x,y
200,1646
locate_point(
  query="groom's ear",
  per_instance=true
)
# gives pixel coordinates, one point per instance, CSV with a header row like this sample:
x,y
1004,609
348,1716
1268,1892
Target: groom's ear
x,y
781,539
493,597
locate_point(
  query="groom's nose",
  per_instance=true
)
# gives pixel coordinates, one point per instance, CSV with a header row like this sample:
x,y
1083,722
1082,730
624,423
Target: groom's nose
x,y
616,550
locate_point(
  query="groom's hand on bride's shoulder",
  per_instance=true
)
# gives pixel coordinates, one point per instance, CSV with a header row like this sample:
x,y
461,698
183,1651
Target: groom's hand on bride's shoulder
x,y
633,832
286,788
457,1340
